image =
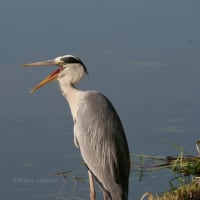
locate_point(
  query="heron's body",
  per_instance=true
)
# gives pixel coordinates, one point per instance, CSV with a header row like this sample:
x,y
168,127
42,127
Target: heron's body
x,y
94,129
98,132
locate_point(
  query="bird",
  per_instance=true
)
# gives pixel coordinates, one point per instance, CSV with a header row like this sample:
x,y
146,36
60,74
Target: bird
x,y
98,130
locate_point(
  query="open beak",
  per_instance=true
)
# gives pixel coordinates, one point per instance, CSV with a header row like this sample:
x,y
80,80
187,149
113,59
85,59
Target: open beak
x,y
51,77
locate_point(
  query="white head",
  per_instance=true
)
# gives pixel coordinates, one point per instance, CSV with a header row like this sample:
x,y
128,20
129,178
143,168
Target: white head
x,y
73,69
70,70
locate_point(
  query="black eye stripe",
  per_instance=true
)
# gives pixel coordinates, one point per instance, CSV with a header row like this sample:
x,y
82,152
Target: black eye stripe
x,y
70,60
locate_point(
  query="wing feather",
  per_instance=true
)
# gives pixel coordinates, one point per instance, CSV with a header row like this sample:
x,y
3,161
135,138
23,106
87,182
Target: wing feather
x,y
100,136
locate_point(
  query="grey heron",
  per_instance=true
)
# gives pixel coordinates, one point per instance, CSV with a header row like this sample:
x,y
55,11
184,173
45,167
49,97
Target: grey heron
x,y
98,130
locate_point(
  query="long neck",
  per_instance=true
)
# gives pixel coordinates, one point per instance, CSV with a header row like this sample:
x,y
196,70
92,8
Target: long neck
x,y
68,77
71,94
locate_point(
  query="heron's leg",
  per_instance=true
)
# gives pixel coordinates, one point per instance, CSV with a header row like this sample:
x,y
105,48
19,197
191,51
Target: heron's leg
x,y
92,189
105,196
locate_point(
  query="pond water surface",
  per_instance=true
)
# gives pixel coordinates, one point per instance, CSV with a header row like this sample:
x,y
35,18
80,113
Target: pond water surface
x,y
143,55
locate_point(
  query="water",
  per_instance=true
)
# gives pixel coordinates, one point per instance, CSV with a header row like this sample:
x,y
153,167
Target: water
x,y
143,55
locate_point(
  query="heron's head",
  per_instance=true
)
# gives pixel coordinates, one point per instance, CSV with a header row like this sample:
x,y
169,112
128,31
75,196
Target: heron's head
x,y
70,69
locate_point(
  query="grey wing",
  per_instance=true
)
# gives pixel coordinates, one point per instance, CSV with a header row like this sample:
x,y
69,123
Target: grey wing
x,y
103,145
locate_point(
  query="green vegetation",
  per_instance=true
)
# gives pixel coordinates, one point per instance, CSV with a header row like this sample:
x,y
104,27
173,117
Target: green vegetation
x,y
185,192
183,166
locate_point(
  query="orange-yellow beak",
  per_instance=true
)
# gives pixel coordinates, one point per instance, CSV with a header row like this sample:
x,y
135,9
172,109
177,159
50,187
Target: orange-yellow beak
x,y
51,77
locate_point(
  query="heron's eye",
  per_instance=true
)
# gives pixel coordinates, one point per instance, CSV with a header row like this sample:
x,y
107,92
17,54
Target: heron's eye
x,y
70,59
